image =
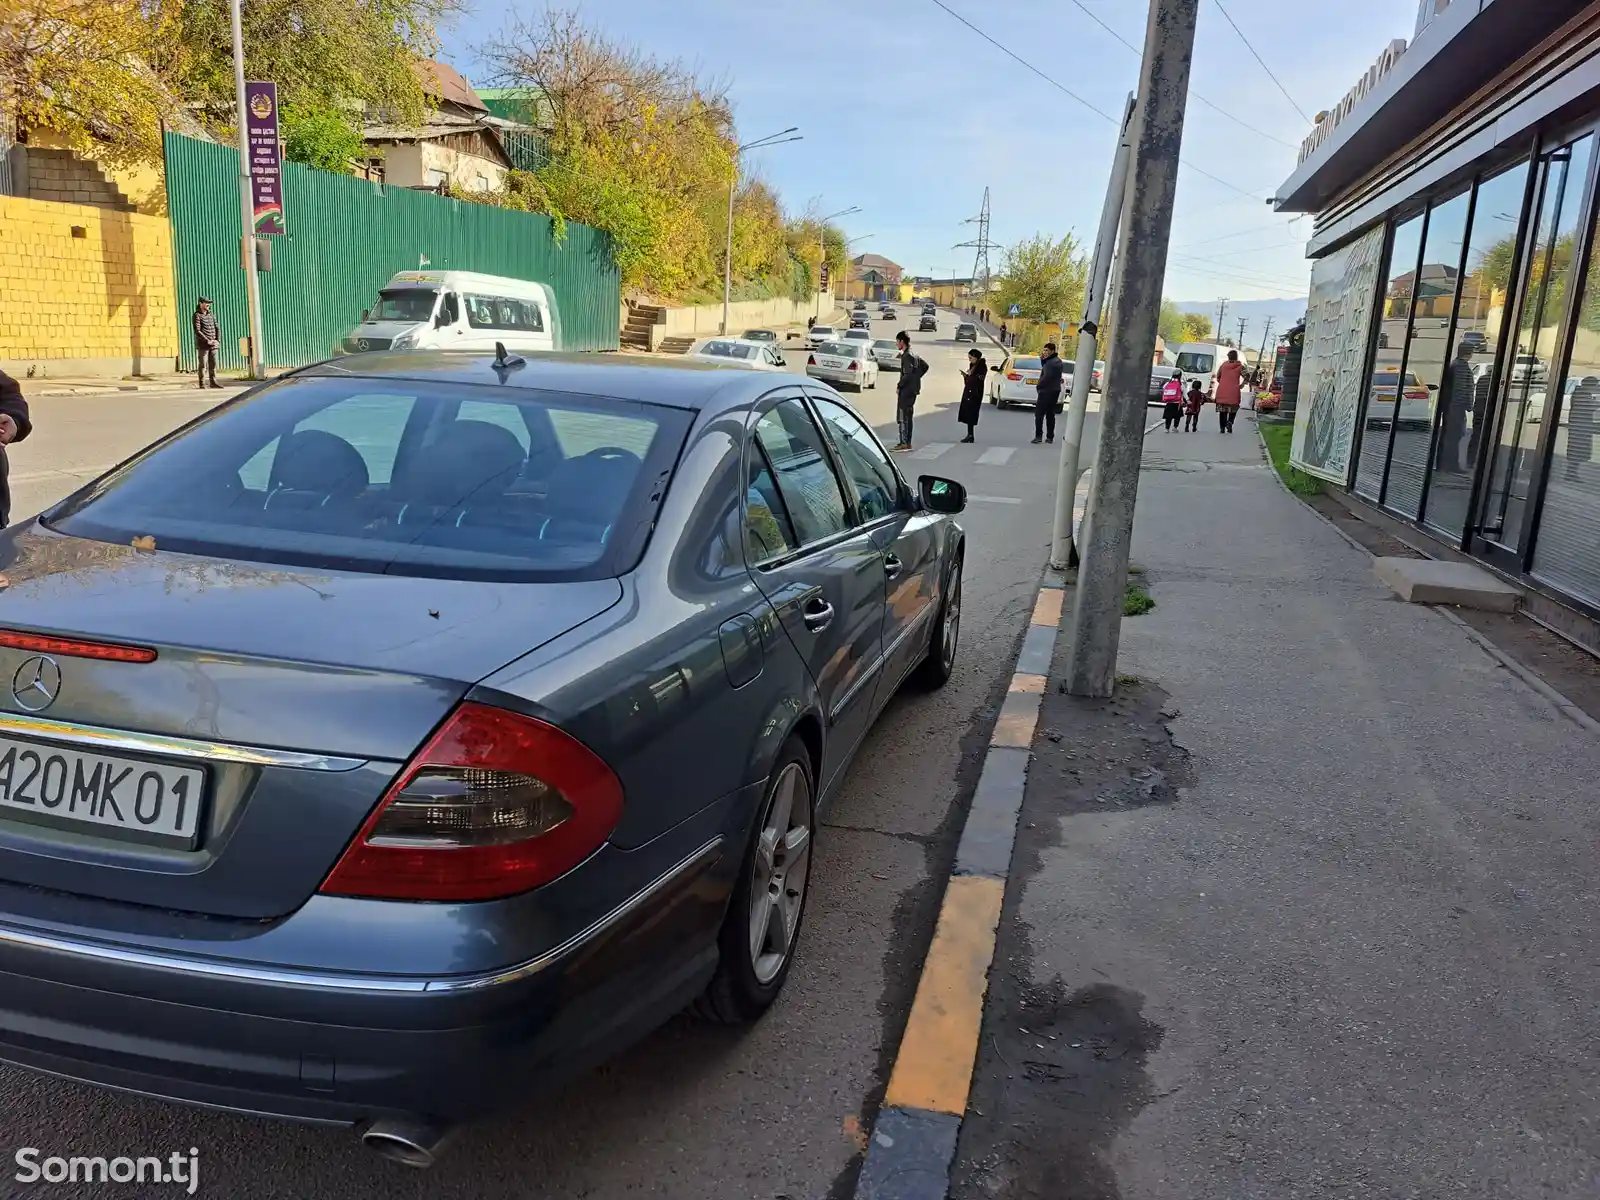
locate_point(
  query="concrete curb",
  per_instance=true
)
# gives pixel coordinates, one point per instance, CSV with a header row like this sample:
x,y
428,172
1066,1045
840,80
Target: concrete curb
x,y
1533,681
913,1141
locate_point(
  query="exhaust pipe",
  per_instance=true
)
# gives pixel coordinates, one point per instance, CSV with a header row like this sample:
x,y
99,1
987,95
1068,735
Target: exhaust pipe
x,y
410,1141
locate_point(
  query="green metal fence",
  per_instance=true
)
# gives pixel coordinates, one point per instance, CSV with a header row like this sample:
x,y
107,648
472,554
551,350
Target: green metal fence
x,y
347,237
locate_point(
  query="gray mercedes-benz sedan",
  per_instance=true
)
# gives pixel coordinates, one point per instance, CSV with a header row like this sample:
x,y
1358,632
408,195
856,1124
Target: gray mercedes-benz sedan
x,y
413,731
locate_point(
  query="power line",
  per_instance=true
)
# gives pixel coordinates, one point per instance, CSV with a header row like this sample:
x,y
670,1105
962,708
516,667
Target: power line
x,y
1193,95
1099,112
1228,237
1263,63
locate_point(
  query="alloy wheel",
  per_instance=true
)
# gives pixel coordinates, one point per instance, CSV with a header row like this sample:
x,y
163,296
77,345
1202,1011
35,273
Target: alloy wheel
x,y
781,873
952,620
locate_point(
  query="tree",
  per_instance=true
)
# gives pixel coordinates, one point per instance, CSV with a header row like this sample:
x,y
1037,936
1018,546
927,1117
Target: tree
x,y
1195,327
325,138
1044,278
1170,323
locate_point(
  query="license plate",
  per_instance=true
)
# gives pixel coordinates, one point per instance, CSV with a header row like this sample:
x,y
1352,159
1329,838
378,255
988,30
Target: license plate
x,y
118,797
833,363
1030,380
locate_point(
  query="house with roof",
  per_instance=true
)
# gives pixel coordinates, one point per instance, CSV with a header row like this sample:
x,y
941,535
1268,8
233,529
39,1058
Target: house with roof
x,y
460,143
874,277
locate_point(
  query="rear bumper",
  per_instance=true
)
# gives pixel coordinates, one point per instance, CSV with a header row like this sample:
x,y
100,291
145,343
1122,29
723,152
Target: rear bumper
x,y
320,1047
830,375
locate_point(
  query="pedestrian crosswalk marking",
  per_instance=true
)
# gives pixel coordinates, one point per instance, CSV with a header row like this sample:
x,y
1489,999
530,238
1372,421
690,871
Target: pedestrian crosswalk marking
x,y
931,450
996,456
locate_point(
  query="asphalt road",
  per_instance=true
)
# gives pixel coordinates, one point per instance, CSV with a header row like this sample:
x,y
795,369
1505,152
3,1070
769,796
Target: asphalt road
x,y
706,1114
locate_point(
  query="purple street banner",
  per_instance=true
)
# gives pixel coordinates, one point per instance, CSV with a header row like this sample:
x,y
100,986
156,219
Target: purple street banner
x,y
266,166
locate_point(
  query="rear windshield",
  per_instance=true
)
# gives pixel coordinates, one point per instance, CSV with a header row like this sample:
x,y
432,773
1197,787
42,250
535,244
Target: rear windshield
x,y
885,344
843,349
822,330
395,477
405,304
729,350
857,335
1025,364
965,328
760,335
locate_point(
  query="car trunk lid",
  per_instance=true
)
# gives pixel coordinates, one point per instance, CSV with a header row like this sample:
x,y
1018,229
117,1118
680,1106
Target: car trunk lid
x,y
280,703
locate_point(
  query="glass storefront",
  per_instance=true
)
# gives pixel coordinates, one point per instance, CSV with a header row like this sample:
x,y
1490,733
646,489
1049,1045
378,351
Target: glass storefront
x,y
1481,401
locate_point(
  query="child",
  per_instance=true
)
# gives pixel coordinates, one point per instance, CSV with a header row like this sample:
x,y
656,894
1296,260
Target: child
x,y
1172,397
1192,407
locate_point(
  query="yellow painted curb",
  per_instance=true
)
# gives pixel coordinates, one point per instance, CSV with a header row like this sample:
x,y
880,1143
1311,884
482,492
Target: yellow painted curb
x,y
1026,685
1019,717
1047,608
933,1070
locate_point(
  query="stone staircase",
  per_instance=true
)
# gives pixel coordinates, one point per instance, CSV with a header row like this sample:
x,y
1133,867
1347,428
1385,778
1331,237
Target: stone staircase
x,y
676,345
61,176
636,329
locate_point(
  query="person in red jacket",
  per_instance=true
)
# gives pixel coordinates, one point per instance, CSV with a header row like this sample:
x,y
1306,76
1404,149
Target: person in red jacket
x,y
1230,391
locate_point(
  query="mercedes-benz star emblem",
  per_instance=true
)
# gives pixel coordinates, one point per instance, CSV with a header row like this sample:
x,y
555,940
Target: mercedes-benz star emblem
x,y
37,683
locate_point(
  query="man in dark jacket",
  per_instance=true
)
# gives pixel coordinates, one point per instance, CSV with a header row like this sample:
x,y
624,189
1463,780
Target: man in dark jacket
x,y
207,337
14,426
912,369
1052,372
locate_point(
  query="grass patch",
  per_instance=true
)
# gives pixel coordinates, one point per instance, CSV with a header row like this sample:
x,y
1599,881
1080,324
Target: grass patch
x,y
1277,437
1136,601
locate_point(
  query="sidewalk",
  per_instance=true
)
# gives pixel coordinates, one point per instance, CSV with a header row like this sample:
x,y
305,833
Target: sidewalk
x,y
1309,909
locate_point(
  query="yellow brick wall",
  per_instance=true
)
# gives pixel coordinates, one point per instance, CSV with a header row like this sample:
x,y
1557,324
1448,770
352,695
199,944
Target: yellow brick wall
x,y
106,295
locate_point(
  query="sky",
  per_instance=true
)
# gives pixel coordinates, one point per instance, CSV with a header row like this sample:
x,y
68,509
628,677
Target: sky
x,y
909,114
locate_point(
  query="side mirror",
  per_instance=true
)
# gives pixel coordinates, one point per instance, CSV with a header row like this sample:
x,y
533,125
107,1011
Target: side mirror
x,y
441,320
941,495
995,367
366,314
1433,387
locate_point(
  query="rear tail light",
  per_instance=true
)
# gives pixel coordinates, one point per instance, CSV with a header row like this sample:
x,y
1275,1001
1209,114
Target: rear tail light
x,y
1014,377
852,364
811,360
494,804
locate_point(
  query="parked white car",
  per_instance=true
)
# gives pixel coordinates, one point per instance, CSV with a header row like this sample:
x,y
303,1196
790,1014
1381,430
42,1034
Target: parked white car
x,y
1016,380
739,352
458,310
844,364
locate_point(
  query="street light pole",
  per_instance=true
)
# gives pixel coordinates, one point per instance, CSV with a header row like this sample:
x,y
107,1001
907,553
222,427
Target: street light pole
x,y
776,139
247,208
822,247
1103,573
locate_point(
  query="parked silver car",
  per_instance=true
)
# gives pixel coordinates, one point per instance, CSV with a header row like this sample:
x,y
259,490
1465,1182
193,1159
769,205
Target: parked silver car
x,y
409,733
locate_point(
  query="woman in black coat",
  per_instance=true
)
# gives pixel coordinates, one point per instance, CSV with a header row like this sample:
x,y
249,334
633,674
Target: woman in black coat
x,y
972,392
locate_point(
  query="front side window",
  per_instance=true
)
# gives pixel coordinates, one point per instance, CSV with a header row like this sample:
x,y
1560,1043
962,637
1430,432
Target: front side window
x,y
802,473
395,478
877,488
1196,363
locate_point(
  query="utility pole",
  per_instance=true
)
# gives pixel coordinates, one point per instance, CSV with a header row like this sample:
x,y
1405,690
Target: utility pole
x,y
776,139
1103,573
1222,311
1244,323
822,245
1063,554
1261,359
247,205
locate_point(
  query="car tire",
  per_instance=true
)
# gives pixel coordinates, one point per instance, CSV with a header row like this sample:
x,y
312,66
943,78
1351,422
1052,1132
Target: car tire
x,y
935,670
749,977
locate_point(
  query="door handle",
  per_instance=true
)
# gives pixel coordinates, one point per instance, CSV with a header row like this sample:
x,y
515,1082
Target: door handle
x,y
818,615
892,566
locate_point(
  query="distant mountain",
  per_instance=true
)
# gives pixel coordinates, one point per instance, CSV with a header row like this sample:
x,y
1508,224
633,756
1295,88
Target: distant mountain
x,y
1284,314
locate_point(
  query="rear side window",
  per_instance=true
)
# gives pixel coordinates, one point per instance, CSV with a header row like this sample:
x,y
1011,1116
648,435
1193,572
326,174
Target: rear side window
x,y
802,473
504,312
399,478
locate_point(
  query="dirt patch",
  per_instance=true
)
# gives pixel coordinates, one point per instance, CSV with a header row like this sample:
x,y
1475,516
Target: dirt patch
x,y
1062,1064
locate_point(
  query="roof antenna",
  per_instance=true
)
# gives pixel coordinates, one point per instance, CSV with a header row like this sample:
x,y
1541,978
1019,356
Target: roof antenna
x,y
504,362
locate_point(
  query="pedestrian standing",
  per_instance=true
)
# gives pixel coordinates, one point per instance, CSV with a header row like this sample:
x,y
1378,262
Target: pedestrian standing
x,y
1191,407
912,369
1583,424
1052,372
207,337
972,380
1172,398
1455,401
1230,391
1002,333
14,426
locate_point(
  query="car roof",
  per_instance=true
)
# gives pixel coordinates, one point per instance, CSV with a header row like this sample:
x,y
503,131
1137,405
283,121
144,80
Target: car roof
x,y
678,382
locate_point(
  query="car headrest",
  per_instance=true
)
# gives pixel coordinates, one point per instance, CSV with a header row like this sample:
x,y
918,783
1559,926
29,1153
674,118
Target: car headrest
x,y
593,485
313,460
471,462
